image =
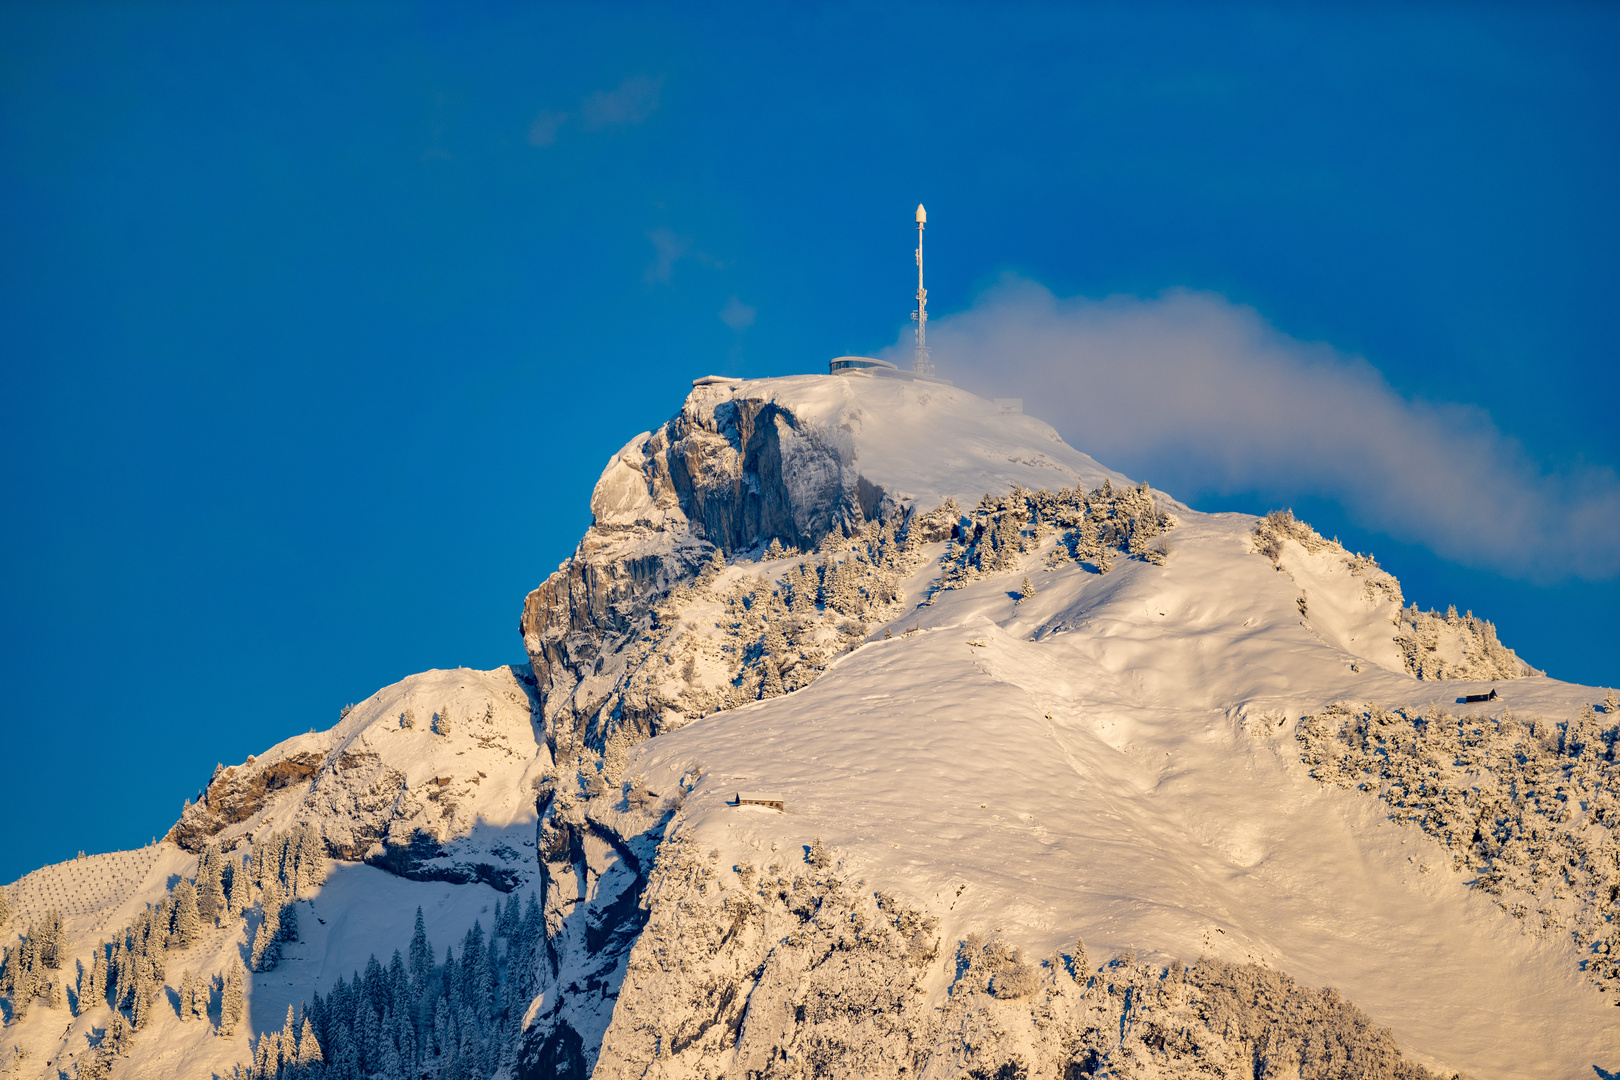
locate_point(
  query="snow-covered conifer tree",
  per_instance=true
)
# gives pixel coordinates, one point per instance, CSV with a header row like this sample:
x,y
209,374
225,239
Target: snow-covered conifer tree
x,y
266,940
264,1056
441,720
50,940
309,1058
1080,963
187,923
285,854
211,904
421,954
254,865
230,999
117,982
506,913
144,994
312,856
771,685
96,992
240,887
117,1038
801,592
407,719
201,990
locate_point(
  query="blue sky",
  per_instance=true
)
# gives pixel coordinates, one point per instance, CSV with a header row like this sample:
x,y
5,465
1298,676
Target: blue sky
x,y
317,322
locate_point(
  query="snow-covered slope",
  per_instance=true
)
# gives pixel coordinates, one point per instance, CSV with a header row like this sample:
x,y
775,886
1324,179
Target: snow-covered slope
x,y
429,777
1087,764
1016,737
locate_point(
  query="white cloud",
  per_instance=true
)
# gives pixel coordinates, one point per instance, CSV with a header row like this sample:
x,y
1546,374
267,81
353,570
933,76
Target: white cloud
x,y
737,315
631,102
668,248
1207,395
543,129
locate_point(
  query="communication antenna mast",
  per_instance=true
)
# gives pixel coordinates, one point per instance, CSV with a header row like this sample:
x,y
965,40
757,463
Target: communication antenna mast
x,y
921,362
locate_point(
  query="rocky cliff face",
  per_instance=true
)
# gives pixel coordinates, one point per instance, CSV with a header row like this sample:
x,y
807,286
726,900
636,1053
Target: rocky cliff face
x,y
741,465
595,859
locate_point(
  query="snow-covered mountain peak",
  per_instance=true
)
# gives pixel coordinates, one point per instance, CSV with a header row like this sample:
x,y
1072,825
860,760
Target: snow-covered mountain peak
x,y
917,443
1073,781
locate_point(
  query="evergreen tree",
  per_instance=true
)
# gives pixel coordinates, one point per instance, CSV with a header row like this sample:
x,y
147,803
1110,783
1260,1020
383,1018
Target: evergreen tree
x,y
801,591
404,1035
210,889
255,868
309,1050
287,1044
265,1054
399,983
118,978
441,720
240,888
116,1040
230,999
50,940
1080,964
97,993
443,1037
186,989
312,849
302,858
187,923
266,941
289,921
771,685
369,1029
283,851
95,1064
488,986
144,992
511,919
388,1064
421,963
